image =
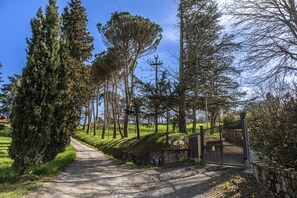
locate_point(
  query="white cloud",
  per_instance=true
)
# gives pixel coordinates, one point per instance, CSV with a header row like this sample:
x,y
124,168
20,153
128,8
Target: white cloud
x,y
170,34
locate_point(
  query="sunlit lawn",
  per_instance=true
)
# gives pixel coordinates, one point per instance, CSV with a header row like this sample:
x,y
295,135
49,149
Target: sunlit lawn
x,y
145,130
10,185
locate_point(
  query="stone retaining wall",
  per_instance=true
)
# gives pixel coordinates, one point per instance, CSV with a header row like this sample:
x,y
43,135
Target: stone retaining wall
x,y
280,183
157,158
169,156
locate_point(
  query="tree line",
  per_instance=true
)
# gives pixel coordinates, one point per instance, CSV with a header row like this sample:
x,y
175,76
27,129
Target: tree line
x,y
56,87
206,71
58,90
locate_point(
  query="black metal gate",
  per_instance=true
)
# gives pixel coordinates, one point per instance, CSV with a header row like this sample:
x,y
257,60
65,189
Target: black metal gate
x,y
226,145
194,149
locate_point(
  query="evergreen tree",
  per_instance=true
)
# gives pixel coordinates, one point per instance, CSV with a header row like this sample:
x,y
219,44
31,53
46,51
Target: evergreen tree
x,y
30,121
207,69
39,113
80,45
57,73
133,37
8,94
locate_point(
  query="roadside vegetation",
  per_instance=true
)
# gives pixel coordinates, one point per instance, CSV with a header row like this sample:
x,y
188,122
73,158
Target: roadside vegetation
x,y
240,184
127,149
61,88
12,184
149,141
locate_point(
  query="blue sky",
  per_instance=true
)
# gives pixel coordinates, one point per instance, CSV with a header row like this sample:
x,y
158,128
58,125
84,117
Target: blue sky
x,y
15,19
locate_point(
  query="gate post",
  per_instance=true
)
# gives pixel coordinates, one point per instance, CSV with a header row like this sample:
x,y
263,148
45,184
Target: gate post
x,y
246,149
221,145
202,144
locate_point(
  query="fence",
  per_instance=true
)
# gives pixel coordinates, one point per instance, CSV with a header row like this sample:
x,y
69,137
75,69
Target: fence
x,y
221,145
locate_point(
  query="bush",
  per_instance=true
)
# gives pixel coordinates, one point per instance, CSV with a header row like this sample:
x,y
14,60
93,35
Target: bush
x,y
273,130
231,121
2,126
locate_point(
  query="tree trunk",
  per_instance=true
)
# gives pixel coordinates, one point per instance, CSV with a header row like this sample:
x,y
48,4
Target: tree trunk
x,y
126,124
94,115
127,99
194,121
85,119
119,127
182,111
167,127
213,122
97,108
182,119
89,118
114,126
113,106
137,126
105,112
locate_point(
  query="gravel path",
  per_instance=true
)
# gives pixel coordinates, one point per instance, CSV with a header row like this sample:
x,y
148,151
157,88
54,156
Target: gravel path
x,y
92,174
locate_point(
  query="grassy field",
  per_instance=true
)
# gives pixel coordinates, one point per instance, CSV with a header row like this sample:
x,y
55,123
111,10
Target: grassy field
x,y
11,184
144,130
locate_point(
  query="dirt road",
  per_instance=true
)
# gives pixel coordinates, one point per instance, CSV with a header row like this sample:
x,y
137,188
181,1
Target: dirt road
x,y
93,174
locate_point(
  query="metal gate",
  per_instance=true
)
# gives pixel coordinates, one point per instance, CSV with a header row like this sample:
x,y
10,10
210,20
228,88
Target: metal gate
x,y
226,145
194,147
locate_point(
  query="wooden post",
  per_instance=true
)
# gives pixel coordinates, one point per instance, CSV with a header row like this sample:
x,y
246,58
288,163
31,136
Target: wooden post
x,y
246,150
202,144
221,145
156,64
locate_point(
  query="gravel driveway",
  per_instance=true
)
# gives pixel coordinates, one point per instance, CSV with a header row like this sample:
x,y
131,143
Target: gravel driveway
x,y
93,174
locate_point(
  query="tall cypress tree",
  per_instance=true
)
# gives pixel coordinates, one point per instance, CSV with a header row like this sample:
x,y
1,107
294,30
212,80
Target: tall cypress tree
x,y
80,45
30,128
39,109
57,72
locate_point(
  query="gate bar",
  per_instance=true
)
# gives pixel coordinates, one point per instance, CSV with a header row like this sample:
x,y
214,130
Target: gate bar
x,y
246,150
202,144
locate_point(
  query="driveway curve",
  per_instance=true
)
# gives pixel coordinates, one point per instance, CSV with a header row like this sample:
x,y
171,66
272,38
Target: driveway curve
x,y
93,174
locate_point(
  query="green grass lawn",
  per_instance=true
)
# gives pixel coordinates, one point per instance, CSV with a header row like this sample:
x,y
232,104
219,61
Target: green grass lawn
x,y
10,183
144,130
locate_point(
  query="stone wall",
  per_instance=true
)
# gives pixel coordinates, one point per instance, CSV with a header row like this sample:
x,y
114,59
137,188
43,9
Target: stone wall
x,y
280,182
169,156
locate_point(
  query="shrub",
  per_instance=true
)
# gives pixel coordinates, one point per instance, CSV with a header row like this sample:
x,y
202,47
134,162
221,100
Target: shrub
x,y
273,130
231,121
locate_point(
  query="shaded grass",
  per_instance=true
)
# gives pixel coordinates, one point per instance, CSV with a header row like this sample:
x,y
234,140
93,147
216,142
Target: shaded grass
x,y
133,147
10,183
240,184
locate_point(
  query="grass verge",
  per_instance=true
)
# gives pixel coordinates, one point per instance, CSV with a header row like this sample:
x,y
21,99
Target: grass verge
x,y
241,184
12,184
128,149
